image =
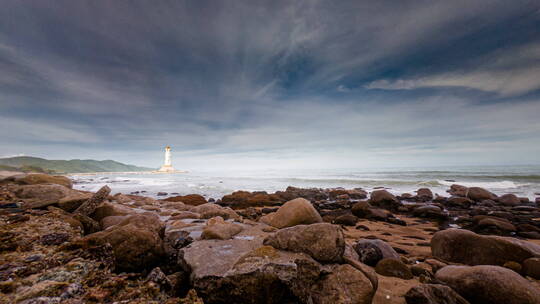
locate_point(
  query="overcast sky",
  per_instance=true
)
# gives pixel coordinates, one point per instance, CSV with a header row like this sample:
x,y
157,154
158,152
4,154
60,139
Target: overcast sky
x,y
281,84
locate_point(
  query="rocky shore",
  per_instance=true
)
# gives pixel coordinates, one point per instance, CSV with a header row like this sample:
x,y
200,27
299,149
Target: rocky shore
x,y
60,245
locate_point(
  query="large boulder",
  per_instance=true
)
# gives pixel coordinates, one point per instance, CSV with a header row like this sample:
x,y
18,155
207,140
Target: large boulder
x,y
42,195
466,247
324,242
384,199
486,284
210,210
39,178
345,284
245,199
424,194
479,194
135,241
240,270
190,199
295,212
509,200
217,228
433,294
370,252
458,190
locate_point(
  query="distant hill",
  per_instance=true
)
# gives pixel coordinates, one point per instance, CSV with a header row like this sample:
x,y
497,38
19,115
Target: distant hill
x,y
36,164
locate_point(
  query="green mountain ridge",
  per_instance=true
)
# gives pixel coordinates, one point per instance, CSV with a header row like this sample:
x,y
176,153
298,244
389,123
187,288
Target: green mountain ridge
x,y
22,163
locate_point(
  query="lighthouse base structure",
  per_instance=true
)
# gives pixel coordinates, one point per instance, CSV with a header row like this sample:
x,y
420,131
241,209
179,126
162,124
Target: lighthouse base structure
x,y
166,168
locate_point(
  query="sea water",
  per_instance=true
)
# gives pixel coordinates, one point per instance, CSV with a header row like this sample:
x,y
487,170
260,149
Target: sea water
x,y
520,180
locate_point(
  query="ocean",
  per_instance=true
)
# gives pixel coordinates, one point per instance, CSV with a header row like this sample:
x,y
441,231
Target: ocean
x,y
520,180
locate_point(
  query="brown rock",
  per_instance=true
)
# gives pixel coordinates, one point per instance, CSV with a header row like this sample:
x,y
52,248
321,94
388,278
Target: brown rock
x,y
109,221
531,267
217,228
71,202
486,284
135,243
210,210
509,200
424,194
107,209
466,247
190,199
88,207
460,202
370,252
393,268
295,212
346,220
324,242
345,284
458,190
479,194
384,199
38,178
42,195
433,294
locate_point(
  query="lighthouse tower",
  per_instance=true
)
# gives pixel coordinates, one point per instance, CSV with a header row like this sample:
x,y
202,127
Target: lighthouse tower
x,y
167,166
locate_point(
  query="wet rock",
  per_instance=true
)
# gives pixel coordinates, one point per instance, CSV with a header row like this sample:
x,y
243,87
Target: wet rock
x,y
424,194
430,211
433,294
531,268
370,252
384,199
309,194
245,199
459,202
295,212
346,220
217,228
479,194
162,194
466,247
486,284
515,266
492,225
509,200
393,268
458,190
190,199
88,207
324,242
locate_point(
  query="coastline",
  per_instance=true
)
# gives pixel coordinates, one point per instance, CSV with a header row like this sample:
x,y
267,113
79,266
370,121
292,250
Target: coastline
x,y
385,244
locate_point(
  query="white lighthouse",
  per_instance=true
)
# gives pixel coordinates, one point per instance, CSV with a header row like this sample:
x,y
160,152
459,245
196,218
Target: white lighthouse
x,y
167,166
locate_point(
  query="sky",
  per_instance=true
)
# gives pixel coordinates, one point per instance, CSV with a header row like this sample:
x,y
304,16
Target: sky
x,y
272,84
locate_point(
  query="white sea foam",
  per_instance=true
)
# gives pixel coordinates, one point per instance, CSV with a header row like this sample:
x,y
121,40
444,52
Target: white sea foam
x,y
489,185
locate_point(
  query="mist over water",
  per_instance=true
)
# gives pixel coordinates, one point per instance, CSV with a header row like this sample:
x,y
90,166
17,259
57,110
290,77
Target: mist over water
x,y
520,180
